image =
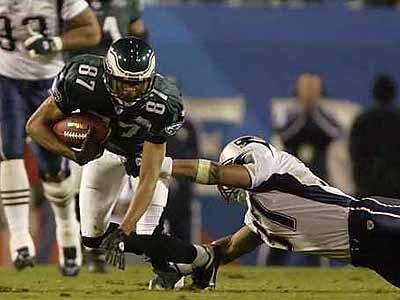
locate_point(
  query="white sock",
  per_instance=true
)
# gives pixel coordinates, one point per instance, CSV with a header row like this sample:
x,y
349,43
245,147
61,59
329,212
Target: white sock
x,y
15,195
67,229
203,257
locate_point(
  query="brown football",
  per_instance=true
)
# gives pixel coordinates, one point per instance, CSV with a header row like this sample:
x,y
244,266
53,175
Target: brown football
x,y
73,129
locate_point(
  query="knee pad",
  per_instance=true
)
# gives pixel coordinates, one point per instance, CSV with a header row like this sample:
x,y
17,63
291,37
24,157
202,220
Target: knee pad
x,y
60,192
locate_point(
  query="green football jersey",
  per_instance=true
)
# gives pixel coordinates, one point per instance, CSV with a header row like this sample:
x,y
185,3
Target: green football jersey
x,y
80,86
114,17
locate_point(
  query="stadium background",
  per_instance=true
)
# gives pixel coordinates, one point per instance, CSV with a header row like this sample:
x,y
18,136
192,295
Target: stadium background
x,y
231,61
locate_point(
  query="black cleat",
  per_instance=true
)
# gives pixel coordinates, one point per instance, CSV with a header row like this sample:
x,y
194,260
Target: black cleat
x,y
23,259
70,267
171,279
205,277
96,261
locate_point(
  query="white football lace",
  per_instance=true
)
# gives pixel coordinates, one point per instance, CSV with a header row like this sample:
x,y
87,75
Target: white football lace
x,y
75,135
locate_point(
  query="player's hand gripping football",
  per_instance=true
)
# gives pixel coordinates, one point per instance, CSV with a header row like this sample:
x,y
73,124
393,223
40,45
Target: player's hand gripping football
x,y
90,150
114,248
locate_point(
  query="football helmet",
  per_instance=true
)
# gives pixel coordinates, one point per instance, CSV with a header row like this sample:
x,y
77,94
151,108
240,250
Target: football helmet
x,y
129,70
234,154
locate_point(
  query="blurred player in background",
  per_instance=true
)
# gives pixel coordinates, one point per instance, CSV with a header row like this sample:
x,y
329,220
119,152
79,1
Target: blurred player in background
x,y
31,45
307,133
117,18
309,128
291,208
374,146
143,109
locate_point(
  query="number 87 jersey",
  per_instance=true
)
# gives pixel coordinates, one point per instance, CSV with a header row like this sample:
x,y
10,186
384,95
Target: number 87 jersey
x,y
81,85
19,20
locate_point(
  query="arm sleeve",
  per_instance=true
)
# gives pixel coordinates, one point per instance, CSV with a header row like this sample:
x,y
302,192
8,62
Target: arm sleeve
x,y
168,124
60,90
261,163
72,8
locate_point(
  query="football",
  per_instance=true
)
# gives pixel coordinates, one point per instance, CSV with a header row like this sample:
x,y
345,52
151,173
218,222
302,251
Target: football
x,y
73,129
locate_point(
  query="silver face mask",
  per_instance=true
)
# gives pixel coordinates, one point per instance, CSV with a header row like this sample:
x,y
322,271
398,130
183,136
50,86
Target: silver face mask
x,y
234,194
228,156
234,153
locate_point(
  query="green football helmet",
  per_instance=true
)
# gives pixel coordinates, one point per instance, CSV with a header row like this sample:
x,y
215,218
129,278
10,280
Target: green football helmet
x,y
129,70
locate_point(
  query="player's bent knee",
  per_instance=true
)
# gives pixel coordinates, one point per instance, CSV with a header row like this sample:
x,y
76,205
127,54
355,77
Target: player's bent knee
x,y
59,191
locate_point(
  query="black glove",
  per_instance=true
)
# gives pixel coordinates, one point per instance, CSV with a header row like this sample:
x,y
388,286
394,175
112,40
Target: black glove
x,y
90,150
114,247
38,44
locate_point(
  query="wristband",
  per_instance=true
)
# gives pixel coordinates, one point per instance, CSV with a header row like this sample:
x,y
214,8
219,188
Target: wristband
x,y
203,171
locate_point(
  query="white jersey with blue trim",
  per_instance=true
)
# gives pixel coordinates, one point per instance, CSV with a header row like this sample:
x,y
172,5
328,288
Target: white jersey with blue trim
x,y
293,209
18,20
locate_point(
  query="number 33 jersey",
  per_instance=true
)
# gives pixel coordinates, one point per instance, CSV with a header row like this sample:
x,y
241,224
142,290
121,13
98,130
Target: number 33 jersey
x,y
19,19
80,85
291,208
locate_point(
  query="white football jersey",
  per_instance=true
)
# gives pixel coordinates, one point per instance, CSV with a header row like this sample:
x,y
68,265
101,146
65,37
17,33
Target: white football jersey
x,y
291,208
18,19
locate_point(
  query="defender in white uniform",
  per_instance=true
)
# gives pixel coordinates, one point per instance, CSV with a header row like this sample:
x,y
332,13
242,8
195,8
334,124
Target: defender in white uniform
x,y
290,208
31,41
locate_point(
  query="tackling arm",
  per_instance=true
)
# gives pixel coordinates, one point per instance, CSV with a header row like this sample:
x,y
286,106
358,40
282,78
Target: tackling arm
x,y
153,155
211,173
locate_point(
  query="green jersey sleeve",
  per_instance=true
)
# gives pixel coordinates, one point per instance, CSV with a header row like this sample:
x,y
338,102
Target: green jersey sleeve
x,y
77,83
167,109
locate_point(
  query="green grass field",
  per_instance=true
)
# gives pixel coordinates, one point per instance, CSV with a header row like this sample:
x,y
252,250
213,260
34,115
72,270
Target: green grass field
x,y
242,283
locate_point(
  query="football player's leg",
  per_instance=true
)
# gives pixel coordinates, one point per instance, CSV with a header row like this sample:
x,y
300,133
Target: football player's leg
x,y
162,248
14,184
101,183
58,186
222,251
241,242
374,231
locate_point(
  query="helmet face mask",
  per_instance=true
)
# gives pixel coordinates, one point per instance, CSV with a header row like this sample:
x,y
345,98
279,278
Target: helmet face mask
x,y
234,153
127,92
232,194
129,71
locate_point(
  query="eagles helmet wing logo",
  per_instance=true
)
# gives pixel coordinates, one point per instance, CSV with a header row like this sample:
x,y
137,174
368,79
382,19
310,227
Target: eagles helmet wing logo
x,y
173,129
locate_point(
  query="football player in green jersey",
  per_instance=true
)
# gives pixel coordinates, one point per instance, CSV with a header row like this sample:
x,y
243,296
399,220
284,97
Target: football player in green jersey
x,y
142,108
117,18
